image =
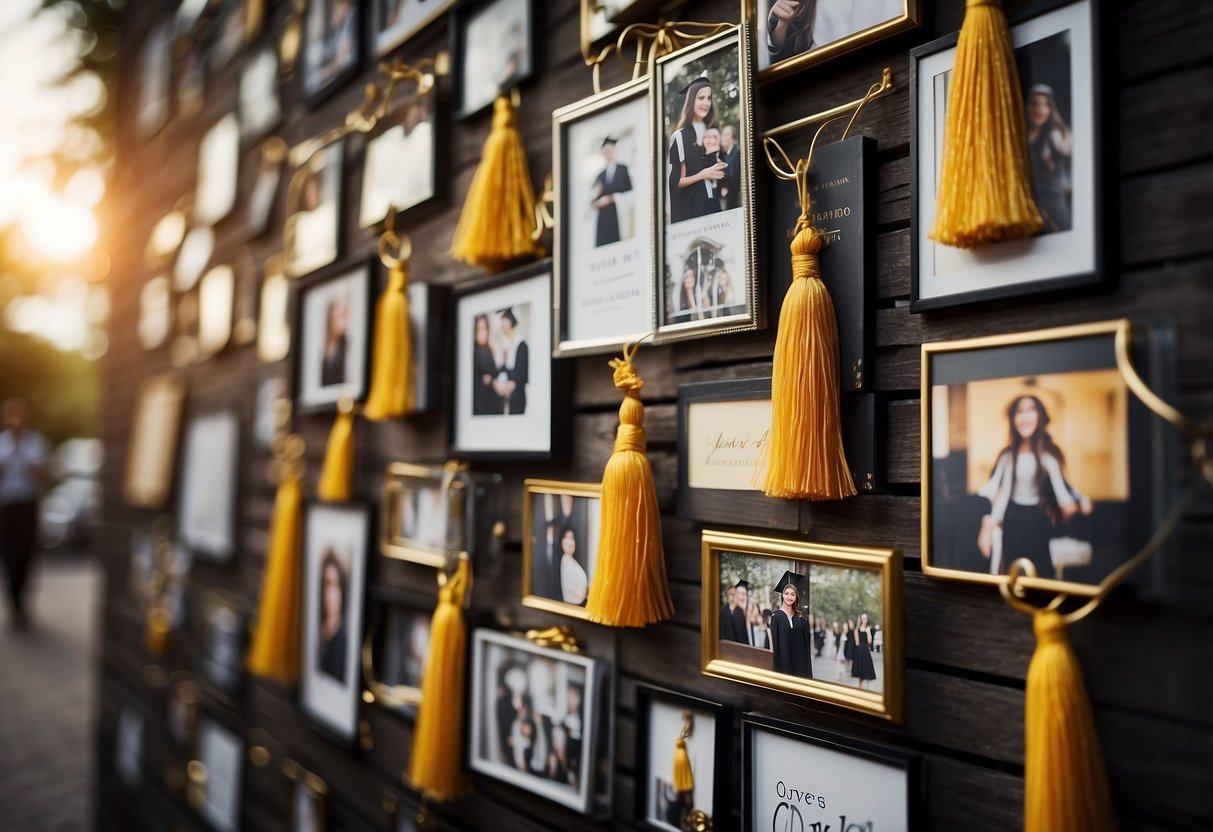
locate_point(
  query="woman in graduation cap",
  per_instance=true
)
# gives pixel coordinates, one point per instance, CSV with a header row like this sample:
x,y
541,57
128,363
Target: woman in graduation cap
x,y
515,364
790,630
688,195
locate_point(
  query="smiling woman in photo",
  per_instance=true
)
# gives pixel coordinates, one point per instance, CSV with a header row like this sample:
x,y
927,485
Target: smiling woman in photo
x,y
689,195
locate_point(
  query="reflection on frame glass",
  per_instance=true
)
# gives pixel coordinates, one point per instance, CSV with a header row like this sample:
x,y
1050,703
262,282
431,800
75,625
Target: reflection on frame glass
x,y
395,655
209,471
314,212
331,45
494,50
846,783
707,279
335,554
794,35
218,158
216,296
416,523
604,244
534,718
333,335
560,526
1035,448
309,799
1058,60
401,166
395,21
811,619
706,728
153,446
259,107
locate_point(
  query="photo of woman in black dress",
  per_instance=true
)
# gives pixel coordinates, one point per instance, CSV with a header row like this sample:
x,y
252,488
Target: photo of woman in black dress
x,y
862,667
1050,146
790,630
336,326
689,196
331,655
485,399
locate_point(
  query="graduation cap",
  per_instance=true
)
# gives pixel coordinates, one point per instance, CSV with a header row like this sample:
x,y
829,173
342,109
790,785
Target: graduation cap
x,y
609,140
742,584
508,315
693,82
792,578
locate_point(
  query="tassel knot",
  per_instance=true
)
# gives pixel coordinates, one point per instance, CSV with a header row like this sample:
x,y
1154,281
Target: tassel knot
x,y
807,240
1050,628
503,113
626,377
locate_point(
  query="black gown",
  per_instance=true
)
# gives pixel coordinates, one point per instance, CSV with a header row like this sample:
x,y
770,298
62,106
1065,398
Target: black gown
x,y
520,375
732,178
332,655
790,645
862,666
485,401
730,628
684,151
607,230
332,365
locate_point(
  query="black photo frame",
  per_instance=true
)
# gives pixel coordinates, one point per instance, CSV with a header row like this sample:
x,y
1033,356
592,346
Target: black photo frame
x,y
877,756
311,394
392,671
721,738
319,83
463,17
1075,255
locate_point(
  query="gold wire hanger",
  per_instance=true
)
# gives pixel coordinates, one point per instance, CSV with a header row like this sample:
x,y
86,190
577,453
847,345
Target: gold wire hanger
x,y
651,41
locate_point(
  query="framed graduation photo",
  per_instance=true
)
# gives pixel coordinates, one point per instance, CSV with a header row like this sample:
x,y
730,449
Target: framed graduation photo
x,y
811,619
506,383
604,201
332,46
707,276
209,482
153,446
400,170
334,338
560,527
399,643
313,212
395,21
494,50
418,523
1059,62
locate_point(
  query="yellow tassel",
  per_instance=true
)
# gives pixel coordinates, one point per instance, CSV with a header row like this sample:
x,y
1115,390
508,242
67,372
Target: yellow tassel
x,y
985,184
805,459
337,476
1065,782
435,763
275,650
499,213
391,393
684,780
629,588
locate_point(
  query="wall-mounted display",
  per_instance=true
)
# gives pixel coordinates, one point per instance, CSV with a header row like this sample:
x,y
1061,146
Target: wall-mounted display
x,y
331,49
221,752
811,619
1034,448
216,298
1059,66
309,799
224,629
313,212
534,718
506,384
155,70
395,21
604,204
193,257
336,539
418,523
707,276
273,313
258,95
394,658
794,35
493,48
401,167
334,338
153,446
155,312
218,161
663,718
560,527
265,188
209,471
796,777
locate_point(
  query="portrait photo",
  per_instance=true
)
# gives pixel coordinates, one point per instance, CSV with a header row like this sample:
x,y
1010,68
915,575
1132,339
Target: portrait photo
x,y
218,160
223,641
309,799
1057,62
561,524
258,95
273,313
335,553
152,452
401,164
331,45
706,240
1032,455
604,236
395,21
494,50
209,475
334,322
313,212
534,716
221,750
503,365
400,645
803,618
794,34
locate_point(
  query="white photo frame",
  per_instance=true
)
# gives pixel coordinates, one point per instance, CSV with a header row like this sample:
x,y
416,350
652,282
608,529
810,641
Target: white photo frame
x,y
333,336
218,166
209,474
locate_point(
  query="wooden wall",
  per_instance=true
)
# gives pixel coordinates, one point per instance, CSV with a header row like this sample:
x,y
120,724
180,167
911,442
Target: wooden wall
x,y
1147,666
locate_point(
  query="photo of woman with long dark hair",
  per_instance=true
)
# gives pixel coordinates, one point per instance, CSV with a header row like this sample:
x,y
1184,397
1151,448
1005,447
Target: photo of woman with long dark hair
x,y
1028,492
485,399
689,196
686,303
1050,146
333,639
790,630
336,326
574,583
862,668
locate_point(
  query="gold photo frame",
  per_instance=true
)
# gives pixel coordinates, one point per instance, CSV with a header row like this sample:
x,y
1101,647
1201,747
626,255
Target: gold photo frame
x,y
309,798
153,450
554,512
834,584
403,536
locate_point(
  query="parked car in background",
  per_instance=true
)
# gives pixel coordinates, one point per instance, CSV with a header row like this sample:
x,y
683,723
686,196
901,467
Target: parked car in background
x,y
71,509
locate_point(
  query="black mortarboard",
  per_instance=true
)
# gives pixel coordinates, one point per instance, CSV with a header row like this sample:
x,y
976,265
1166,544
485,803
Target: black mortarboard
x,y
693,82
789,577
609,140
742,584
508,314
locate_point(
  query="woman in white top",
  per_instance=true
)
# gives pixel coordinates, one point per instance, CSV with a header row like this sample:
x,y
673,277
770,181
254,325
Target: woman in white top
x,y
574,584
1028,492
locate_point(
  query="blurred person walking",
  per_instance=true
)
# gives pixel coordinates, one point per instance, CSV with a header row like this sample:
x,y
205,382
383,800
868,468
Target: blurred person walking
x,y
25,459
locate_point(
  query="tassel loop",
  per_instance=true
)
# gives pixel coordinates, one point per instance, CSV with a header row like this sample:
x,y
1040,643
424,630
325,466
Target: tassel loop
x,y
337,476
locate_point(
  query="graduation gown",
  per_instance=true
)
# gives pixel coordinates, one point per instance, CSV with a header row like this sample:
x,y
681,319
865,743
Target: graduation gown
x,y
608,216
485,401
520,375
790,645
729,631
684,151
732,178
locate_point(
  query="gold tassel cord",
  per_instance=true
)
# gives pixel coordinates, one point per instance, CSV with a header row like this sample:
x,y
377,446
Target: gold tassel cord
x,y
985,183
391,394
630,588
274,653
337,476
684,778
499,213
435,763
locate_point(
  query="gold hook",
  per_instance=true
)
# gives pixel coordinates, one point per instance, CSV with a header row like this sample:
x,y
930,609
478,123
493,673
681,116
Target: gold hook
x,y
560,637
884,87
544,218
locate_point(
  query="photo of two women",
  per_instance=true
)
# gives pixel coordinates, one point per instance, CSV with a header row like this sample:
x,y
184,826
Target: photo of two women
x,y
501,361
564,546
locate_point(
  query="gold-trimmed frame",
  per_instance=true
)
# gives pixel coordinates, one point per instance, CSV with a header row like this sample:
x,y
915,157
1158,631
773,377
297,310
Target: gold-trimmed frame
x,y
888,704
912,17
742,36
301,778
152,491
392,543
589,490
1119,328
396,698
381,52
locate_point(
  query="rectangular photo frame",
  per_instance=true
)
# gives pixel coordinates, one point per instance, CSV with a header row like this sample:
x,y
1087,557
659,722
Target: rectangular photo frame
x,y
604,180
309,806
223,640
493,49
507,385
210,474
560,527
1056,402
333,333
546,692
404,163
859,665
395,21
707,275
415,523
311,233
397,646
336,541
220,749
706,729
152,457
332,47
846,774
1061,70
